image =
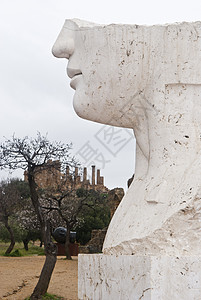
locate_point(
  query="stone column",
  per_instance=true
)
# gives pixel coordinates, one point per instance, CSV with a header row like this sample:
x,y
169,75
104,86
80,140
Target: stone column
x,y
69,178
77,179
98,177
67,171
85,175
101,180
76,175
93,175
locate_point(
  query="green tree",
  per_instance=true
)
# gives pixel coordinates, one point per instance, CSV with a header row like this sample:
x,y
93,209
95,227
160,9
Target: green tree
x,y
94,215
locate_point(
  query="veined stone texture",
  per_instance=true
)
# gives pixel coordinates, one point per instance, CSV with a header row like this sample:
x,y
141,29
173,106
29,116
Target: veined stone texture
x,y
127,277
147,78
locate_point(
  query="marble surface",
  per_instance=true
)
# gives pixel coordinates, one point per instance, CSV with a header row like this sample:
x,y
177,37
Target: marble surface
x,y
133,277
147,78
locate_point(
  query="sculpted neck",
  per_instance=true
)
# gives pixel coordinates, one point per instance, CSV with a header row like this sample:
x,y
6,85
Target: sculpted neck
x,y
168,140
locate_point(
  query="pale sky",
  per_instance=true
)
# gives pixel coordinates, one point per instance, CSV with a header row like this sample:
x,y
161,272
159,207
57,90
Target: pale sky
x,y
34,89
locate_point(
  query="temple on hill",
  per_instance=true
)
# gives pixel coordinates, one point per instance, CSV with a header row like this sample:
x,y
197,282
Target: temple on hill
x,y
50,176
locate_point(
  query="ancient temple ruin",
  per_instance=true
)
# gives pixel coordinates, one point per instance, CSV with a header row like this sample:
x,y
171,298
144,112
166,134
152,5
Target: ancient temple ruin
x,y
51,176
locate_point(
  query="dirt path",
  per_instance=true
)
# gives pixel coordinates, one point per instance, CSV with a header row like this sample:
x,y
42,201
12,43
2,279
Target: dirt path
x,y
19,275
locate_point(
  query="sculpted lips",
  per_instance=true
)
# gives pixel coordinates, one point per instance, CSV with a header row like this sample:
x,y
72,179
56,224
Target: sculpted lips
x,y
75,80
75,74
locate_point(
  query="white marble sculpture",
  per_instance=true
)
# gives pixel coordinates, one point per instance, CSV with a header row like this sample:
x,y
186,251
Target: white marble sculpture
x,y
147,78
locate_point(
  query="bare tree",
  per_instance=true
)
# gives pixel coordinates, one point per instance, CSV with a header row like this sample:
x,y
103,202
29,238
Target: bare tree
x,y
9,197
32,154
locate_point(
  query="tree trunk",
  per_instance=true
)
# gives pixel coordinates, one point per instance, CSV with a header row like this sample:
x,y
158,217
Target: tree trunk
x,y
46,273
49,246
12,238
26,244
67,243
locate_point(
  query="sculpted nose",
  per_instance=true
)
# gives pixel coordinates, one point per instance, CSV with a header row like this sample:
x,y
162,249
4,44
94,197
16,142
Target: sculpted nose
x,y
64,45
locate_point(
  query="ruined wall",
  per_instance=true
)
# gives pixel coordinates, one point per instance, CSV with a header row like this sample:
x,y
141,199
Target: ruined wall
x,y
114,198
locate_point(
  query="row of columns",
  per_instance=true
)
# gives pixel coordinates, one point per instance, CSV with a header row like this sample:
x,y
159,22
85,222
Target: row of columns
x,y
99,180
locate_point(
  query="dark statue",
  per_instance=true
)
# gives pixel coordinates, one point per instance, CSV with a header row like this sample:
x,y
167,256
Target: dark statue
x,y
59,235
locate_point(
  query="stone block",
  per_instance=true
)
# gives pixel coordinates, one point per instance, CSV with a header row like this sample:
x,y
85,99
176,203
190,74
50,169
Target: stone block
x,y
129,277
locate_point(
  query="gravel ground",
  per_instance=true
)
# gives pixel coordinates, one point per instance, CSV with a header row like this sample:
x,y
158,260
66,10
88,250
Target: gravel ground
x,y
19,275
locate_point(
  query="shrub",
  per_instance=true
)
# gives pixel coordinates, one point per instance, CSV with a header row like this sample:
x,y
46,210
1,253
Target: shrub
x,y
15,253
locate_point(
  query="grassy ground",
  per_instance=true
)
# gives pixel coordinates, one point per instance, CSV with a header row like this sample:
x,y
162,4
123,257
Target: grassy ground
x,y
49,297
20,251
